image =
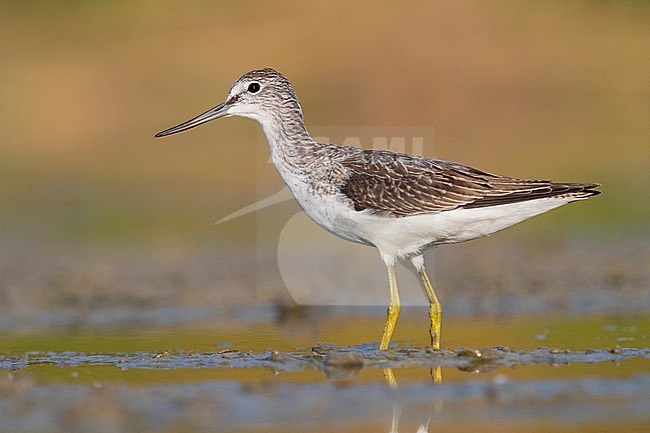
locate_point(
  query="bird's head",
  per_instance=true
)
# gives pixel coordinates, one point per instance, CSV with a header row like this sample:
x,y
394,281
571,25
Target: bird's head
x,y
262,94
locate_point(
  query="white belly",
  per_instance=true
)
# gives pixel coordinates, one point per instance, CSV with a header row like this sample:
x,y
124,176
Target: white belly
x,y
408,236
333,215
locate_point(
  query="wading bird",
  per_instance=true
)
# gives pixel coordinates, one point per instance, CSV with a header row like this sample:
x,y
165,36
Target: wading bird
x,y
398,203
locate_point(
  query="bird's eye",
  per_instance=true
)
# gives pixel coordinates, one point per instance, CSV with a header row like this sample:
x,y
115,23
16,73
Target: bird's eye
x,y
254,87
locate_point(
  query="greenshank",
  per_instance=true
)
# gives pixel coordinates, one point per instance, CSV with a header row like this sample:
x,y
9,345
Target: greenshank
x,y
398,203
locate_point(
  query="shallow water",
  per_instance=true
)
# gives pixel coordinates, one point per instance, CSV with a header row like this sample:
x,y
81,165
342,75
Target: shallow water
x,y
567,373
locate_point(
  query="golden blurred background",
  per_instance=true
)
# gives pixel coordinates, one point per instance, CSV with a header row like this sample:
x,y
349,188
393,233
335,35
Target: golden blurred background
x,y
533,89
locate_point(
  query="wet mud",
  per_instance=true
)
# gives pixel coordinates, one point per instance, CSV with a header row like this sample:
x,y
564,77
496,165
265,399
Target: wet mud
x,y
330,358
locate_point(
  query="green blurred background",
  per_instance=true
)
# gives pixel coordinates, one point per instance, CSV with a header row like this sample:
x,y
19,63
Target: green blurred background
x,y
534,89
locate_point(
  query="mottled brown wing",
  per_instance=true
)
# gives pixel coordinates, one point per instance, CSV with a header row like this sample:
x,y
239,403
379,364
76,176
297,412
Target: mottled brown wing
x,y
403,185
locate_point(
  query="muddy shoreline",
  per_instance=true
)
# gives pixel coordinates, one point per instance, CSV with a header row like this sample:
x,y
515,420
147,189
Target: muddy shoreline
x,y
329,358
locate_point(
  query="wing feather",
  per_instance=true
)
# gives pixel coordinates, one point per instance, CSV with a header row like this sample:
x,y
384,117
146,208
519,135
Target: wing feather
x,y
403,185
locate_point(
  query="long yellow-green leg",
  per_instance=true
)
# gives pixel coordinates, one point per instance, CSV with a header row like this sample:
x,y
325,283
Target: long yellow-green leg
x,y
435,309
394,308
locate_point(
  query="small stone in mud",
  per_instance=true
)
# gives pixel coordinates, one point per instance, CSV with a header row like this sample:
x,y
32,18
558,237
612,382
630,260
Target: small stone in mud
x,y
276,356
490,354
230,354
350,360
487,354
470,353
323,348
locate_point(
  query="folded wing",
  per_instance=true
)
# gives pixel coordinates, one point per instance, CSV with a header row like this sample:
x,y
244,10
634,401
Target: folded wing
x,y
403,185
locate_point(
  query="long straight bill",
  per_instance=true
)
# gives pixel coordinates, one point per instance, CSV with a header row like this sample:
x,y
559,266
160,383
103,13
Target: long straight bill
x,y
220,110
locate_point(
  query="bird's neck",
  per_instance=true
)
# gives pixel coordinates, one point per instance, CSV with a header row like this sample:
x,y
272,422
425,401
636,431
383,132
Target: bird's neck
x,y
291,145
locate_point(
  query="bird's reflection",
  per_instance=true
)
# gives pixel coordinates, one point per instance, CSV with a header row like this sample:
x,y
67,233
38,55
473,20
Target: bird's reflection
x,y
343,366
389,375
